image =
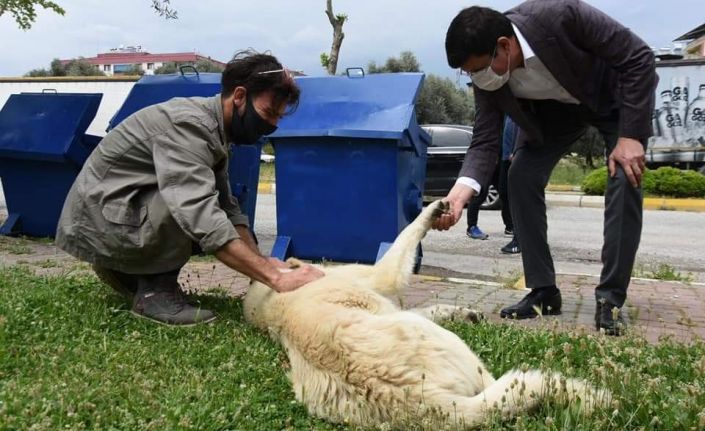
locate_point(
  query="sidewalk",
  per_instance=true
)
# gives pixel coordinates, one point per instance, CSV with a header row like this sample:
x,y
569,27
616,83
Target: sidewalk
x,y
654,309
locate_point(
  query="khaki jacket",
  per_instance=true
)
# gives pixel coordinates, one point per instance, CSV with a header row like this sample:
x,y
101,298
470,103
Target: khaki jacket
x,y
154,186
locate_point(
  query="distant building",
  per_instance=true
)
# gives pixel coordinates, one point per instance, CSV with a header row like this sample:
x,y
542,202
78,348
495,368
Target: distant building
x,y
126,58
695,39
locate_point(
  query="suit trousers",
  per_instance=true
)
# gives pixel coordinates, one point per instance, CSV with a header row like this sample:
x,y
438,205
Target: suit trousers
x,y
561,125
473,212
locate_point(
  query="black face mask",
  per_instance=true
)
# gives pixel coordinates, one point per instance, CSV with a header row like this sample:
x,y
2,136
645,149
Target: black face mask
x,y
248,128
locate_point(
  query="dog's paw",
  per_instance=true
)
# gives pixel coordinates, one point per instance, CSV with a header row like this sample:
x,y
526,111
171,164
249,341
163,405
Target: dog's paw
x,y
441,312
294,263
439,208
470,315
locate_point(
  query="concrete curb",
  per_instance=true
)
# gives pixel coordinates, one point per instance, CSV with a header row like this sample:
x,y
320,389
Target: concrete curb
x,y
668,204
520,284
570,196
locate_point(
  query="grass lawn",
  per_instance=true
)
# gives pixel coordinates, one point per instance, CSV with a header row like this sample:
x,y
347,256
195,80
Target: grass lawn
x,y
72,357
266,172
570,173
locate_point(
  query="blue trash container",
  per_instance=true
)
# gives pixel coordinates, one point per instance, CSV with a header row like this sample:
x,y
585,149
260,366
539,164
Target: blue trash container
x,y
43,146
244,163
350,167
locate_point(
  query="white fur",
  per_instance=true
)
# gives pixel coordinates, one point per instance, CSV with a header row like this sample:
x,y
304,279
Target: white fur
x,y
356,357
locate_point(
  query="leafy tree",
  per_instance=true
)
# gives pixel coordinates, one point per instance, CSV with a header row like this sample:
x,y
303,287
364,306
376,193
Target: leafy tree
x,y
440,100
38,73
406,62
590,147
330,61
25,11
57,68
80,67
76,67
205,65
202,65
163,8
166,68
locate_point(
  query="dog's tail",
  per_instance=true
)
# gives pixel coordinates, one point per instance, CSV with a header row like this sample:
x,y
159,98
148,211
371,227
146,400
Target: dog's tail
x,y
519,391
392,272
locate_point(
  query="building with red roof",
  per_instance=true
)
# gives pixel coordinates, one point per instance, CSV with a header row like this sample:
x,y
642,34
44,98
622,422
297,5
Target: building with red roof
x,y
127,59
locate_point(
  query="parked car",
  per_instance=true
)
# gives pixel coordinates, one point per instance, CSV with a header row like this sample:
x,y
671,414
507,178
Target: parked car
x,y
449,142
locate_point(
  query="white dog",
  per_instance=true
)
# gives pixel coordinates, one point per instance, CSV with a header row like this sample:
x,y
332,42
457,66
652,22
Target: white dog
x,y
356,357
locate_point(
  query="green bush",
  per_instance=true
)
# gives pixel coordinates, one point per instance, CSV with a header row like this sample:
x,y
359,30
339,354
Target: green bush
x,y
664,181
595,183
674,182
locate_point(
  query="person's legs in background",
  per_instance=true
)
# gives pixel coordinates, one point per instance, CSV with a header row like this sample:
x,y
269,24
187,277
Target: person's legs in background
x,y
473,211
513,246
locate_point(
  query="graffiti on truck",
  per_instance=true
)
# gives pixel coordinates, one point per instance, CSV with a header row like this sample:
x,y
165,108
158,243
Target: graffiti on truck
x,y
679,117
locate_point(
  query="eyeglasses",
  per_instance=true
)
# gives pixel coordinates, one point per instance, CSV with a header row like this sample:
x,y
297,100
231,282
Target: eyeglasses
x,y
465,74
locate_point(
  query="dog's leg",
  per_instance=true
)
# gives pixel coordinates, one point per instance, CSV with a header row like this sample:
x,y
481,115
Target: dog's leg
x,y
439,312
392,272
519,391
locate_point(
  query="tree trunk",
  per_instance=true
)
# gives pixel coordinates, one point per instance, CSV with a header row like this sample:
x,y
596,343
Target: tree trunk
x,y
338,35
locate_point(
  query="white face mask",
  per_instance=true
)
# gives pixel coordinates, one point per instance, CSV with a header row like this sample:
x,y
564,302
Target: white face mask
x,y
487,79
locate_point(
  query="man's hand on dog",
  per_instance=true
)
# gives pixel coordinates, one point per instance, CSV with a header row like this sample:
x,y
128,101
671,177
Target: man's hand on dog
x,y
292,280
458,196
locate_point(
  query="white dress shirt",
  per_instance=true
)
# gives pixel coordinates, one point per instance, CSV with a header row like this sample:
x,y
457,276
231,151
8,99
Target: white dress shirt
x,y
533,81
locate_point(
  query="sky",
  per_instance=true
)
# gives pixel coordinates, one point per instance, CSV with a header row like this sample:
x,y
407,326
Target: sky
x,y
297,32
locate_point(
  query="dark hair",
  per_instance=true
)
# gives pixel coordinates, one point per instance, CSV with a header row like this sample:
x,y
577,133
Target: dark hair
x,y
245,70
474,31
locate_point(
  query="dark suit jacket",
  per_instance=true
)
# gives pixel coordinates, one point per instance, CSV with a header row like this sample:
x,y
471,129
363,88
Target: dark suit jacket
x,y
596,59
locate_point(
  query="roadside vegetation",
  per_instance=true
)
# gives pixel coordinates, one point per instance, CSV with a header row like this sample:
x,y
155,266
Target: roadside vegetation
x,y
664,181
72,357
662,271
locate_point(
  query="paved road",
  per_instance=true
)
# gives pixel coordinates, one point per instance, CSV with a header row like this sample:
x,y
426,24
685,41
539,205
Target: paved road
x,y
575,234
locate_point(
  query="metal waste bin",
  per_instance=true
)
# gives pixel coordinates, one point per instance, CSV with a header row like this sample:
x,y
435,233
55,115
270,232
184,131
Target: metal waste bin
x,y
43,146
244,162
350,167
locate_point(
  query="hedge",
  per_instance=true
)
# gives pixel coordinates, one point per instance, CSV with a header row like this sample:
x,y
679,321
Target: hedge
x,y
664,181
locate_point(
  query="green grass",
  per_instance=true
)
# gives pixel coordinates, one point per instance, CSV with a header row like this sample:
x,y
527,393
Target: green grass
x,y
72,357
266,172
14,245
569,172
662,271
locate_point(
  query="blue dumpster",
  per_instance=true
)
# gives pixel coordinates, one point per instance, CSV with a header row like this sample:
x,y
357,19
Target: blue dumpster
x,y
244,160
350,167
43,146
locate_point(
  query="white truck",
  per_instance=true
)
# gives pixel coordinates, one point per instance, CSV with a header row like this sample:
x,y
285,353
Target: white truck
x,y
679,117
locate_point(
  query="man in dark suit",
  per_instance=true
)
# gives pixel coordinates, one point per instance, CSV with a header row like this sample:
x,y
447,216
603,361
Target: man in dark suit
x,y
556,67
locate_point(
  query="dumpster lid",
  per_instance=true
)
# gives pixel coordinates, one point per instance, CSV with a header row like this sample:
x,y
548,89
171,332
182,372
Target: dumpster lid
x,y
153,89
374,106
45,126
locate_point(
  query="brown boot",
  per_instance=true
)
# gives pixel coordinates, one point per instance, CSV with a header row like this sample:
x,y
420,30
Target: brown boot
x,y
159,298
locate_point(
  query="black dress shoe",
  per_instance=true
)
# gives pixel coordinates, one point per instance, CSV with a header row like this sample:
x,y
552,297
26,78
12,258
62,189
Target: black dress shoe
x,y
546,299
608,317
